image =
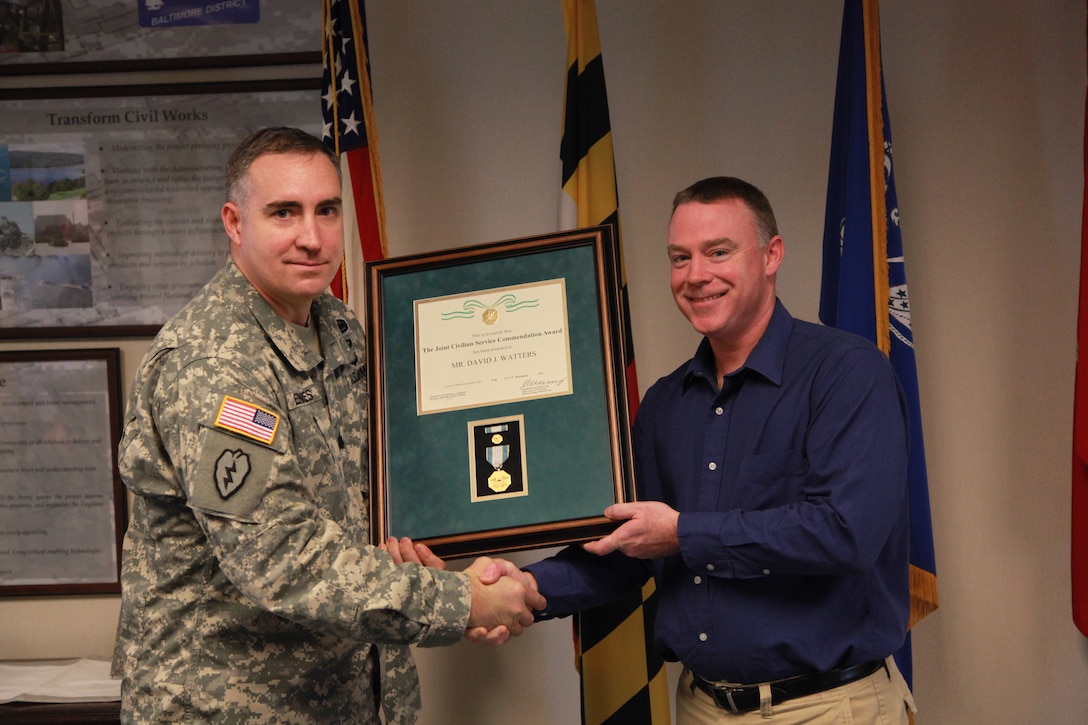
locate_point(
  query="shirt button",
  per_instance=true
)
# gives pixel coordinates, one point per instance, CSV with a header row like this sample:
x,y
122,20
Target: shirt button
x,y
766,572
713,466
698,580
702,637
710,567
718,410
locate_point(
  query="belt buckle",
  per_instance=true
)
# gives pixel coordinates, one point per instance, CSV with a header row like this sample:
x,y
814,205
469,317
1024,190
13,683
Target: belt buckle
x,y
727,691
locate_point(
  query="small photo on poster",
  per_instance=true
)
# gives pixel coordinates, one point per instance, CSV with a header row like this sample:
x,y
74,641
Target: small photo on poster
x,y
45,260
28,26
43,172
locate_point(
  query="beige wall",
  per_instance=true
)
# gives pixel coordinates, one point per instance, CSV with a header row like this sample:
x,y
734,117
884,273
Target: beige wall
x,y
987,110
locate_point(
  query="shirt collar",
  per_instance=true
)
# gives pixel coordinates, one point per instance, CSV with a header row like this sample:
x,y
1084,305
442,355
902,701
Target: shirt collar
x,y
767,358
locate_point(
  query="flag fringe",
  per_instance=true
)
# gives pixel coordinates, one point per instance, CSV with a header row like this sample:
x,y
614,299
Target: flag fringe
x,y
923,594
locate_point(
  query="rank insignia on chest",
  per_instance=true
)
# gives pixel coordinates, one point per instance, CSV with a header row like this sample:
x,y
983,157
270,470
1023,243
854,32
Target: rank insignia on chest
x,y
247,419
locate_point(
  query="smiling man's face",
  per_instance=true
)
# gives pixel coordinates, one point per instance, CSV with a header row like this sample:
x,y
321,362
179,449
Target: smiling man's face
x,y
722,279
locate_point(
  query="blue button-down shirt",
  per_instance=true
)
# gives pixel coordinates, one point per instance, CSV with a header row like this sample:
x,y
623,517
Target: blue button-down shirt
x,y
791,483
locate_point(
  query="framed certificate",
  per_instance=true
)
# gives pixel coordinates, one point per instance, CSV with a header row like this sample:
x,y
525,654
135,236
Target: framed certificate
x,y
498,405
62,505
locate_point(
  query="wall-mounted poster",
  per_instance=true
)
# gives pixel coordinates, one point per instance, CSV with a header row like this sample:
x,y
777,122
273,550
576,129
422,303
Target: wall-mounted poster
x,y
65,36
109,203
62,506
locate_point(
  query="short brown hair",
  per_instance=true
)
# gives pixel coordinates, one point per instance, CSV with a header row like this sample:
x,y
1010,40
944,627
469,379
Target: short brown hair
x,y
723,188
274,140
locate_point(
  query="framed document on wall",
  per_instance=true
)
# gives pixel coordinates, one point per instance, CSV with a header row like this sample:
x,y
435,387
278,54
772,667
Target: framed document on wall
x,y
110,198
498,398
62,506
70,36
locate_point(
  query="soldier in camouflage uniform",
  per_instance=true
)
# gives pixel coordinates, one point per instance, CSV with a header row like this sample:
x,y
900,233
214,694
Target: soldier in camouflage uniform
x,y
250,593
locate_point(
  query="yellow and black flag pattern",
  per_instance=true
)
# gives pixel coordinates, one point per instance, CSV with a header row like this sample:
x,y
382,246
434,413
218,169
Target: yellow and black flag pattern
x,y
624,681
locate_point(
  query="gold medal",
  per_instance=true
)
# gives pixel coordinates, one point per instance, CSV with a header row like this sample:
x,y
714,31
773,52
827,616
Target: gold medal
x,y
498,481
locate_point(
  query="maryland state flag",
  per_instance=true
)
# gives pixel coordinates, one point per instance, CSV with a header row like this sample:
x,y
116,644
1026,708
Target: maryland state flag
x,y
864,286
623,678
348,111
1079,532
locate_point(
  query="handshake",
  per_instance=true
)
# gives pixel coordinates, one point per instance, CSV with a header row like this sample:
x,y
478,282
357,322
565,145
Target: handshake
x,y
503,596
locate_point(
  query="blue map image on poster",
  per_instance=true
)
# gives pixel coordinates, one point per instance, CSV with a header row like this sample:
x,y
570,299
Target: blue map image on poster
x,y
172,13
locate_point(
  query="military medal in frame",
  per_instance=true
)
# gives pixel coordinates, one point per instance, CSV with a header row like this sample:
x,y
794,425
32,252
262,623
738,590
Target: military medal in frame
x,y
497,459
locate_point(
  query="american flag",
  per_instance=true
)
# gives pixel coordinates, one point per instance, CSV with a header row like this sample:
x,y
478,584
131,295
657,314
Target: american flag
x,y
247,419
349,130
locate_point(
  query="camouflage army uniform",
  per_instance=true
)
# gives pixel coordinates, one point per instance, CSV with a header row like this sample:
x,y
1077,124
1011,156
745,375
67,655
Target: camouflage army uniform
x,y
250,593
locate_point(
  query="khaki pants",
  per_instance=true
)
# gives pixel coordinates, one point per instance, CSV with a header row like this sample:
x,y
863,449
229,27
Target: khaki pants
x,y
882,698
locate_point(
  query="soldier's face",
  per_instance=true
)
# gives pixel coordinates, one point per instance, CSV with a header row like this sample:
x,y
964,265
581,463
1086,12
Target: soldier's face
x,y
287,234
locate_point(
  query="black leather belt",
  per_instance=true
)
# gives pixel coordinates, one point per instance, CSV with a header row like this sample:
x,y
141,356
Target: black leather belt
x,y
746,698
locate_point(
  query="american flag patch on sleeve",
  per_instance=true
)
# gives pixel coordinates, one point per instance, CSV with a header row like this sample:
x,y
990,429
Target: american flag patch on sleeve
x,y
248,419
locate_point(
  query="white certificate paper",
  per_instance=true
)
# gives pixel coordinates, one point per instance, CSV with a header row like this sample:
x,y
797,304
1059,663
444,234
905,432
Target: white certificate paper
x,y
492,346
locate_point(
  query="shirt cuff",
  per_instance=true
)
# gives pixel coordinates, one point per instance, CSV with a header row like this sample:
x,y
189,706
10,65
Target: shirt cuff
x,y
700,544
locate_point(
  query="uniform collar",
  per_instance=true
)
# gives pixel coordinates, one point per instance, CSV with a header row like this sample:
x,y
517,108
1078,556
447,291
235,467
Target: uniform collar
x,y
332,328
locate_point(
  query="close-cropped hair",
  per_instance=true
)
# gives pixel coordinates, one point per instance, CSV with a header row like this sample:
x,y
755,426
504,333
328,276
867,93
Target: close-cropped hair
x,y
274,140
725,188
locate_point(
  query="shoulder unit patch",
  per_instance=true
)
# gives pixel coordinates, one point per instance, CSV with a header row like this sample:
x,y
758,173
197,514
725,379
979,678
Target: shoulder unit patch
x,y
231,469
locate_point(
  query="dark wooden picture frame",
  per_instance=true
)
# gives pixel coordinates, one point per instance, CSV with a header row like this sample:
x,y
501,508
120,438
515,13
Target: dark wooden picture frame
x,y
62,505
504,402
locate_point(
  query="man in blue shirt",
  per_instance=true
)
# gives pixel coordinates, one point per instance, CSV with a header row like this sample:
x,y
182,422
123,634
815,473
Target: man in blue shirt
x,y
772,478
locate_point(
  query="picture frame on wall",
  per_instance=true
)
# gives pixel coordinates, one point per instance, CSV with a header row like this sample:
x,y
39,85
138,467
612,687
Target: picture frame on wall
x,y
498,404
41,37
110,198
62,506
